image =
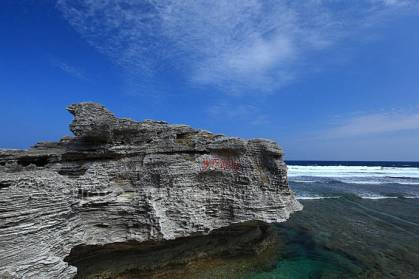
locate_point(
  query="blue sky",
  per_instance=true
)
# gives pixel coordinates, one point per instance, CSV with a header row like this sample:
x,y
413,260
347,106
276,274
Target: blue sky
x,y
328,80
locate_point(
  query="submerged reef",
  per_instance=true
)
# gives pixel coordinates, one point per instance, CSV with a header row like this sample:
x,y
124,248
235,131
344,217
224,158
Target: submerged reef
x,y
120,188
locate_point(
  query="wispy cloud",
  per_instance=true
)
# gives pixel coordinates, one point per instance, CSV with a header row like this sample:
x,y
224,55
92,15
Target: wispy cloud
x,y
239,112
373,124
235,45
394,2
68,69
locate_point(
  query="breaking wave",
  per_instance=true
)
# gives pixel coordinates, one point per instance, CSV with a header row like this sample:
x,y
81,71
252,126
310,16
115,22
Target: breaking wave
x,y
355,174
389,180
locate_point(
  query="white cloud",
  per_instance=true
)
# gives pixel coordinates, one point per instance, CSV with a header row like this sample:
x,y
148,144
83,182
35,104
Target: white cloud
x,y
236,45
373,124
239,112
73,71
394,2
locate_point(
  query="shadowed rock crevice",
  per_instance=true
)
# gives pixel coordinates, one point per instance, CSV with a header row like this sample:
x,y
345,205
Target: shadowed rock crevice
x,y
38,161
5,184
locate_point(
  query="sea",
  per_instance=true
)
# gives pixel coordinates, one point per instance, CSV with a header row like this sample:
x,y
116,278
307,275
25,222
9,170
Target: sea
x,y
367,180
360,220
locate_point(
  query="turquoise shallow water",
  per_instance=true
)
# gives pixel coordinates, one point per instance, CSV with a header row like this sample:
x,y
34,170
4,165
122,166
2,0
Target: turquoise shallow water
x,y
302,258
302,268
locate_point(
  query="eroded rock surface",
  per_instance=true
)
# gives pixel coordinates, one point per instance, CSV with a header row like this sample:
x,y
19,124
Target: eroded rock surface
x,y
119,180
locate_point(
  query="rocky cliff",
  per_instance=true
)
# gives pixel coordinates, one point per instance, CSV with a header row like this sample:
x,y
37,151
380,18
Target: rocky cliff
x,y
119,181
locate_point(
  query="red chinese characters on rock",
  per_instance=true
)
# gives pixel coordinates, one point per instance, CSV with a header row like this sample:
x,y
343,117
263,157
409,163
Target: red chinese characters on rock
x,y
222,164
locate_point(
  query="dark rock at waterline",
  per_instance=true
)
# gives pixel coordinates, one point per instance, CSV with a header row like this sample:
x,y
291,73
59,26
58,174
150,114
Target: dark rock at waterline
x,y
228,252
122,181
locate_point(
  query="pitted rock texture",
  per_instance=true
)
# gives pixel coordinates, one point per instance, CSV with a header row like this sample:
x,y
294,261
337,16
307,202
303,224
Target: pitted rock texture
x,y
119,180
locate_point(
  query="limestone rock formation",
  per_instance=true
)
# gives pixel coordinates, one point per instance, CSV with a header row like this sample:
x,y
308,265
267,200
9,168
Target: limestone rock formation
x,y
119,180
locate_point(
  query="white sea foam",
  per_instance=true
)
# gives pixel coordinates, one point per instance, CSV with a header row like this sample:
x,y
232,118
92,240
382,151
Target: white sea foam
x,y
315,197
304,181
377,197
351,171
355,174
362,197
